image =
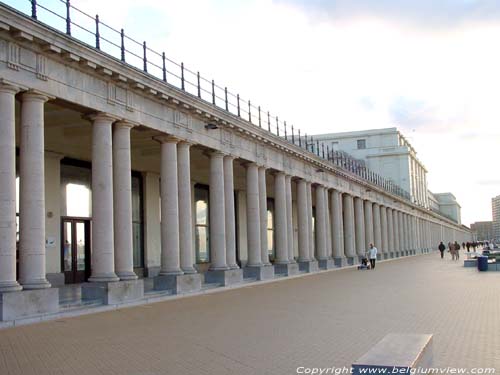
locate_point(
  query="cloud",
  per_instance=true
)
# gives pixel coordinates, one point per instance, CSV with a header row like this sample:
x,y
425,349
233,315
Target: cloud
x,y
429,13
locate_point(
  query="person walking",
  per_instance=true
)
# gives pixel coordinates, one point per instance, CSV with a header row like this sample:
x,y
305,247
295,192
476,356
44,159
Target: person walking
x,y
468,244
442,248
372,254
451,250
456,245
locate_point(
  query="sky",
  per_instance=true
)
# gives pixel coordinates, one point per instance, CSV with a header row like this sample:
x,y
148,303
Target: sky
x,y
430,68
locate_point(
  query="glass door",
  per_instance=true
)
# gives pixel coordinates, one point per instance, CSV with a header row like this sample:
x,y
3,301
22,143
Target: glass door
x,y
75,250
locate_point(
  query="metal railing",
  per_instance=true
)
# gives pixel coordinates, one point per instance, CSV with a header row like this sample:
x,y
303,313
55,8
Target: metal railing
x,y
92,31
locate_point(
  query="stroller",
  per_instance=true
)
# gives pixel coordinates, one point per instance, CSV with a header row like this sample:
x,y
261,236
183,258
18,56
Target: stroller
x,y
365,265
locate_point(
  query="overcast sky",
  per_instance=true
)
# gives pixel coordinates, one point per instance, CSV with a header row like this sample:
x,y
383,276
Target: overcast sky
x,y
430,68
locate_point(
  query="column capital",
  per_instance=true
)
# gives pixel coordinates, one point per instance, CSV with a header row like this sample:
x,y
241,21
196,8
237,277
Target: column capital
x,y
100,117
125,124
8,87
166,138
35,96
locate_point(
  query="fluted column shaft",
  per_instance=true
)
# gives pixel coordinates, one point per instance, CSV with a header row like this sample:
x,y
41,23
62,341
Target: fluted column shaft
x,y
401,231
368,210
395,219
390,230
289,218
377,228
385,229
359,219
217,213
337,224
170,257
310,222
122,202
280,218
328,224
320,223
185,208
263,216
8,281
229,212
253,216
349,226
303,235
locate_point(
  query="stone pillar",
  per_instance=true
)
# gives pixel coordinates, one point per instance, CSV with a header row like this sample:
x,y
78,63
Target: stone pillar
x,y
8,281
377,230
253,216
397,243
217,213
229,212
402,233
337,225
185,208
303,234
320,224
280,213
329,251
289,218
369,236
122,201
359,219
32,193
385,231
349,231
263,217
390,232
170,257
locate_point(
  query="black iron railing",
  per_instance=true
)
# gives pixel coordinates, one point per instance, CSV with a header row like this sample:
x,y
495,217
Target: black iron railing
x,y
66,18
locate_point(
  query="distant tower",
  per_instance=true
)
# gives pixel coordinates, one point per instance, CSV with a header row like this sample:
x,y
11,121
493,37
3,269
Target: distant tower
x,y
495,207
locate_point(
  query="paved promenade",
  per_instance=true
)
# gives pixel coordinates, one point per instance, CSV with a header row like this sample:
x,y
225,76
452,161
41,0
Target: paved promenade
x,y
322,320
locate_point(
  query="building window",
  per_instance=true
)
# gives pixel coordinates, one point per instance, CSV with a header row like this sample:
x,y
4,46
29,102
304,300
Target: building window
x,y
202,225
270,229
361,144
137,221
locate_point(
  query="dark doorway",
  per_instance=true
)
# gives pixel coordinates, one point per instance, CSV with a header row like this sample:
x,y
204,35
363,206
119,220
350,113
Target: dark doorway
x,y
75,249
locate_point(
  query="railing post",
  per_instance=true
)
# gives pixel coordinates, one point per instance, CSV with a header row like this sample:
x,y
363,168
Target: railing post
x,y
225,98
268,121
293,137
164,68
238,104
97,35
122,36
323,149
198,80
213,92
33,9
300,140
249,111
182,76
277,126
68,19
260,120
317,147
286,137
145,60
327,153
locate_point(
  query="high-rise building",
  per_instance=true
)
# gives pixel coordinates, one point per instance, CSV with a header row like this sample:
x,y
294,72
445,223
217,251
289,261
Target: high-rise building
x,y
482,230
495,208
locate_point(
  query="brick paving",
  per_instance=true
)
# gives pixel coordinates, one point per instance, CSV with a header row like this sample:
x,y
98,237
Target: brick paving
x,y
323,320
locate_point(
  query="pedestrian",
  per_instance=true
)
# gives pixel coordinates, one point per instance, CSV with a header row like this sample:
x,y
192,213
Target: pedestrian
x,y
451,250
463,245
372,254
468,244
442,248
457,253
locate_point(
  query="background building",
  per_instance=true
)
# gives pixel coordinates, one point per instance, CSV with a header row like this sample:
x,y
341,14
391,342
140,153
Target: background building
x,y
482,230
495,208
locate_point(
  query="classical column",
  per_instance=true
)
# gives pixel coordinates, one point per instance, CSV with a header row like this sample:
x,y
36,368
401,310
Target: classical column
x,y
337,224
310,222
328,225
264,249
349,235
289,218
229,212
377,228
253,216
320,223
217,213
280,218
122,202
368,210
390,231
302,215
385,229
359,219
8,281
395,220
169,192
185,207
402,233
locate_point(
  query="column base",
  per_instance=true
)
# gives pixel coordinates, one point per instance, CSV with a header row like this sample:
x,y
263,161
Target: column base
x,y
114,293
28,303
287,269
326,264
380,256
309,266
351,260
265,272
340,262
127,276
10,286
35,284
104,278
386,256
179,284
397,254
224,277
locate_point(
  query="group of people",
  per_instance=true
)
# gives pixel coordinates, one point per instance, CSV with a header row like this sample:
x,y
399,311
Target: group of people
x,y
454,247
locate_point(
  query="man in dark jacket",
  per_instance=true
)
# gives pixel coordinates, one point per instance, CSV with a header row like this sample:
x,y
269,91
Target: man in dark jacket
x,y
442,248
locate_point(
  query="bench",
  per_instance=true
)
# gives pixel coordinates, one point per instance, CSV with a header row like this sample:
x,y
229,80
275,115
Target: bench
x,y
398,353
